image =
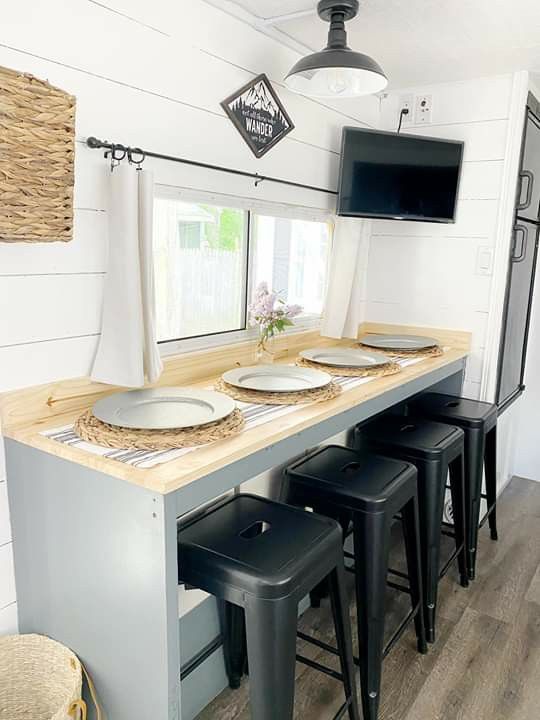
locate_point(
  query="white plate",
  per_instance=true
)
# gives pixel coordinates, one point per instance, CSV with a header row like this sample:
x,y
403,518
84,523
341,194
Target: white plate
x,y
344,357
163,408
276,378
398,342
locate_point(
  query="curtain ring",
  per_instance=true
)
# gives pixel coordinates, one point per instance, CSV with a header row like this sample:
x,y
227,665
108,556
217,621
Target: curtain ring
x,y
132,153
117,153
259,179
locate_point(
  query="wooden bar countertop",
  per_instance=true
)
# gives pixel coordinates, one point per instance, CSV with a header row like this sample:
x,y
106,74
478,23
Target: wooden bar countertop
x,y
26,413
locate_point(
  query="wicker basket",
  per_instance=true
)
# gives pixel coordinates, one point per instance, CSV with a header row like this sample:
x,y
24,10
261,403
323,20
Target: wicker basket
x,y
39,680
37,151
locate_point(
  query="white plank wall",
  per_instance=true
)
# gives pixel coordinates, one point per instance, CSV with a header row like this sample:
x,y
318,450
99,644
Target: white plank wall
x,y
152,75
424,273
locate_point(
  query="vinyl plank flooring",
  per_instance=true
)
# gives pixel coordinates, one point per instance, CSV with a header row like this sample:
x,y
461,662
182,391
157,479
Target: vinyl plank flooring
x,y
515,693
459,685
520,497
405,672
503,583
533,593
485,664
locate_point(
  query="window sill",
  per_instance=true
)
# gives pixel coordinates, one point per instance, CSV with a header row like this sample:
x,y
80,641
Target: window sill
x,y
204,342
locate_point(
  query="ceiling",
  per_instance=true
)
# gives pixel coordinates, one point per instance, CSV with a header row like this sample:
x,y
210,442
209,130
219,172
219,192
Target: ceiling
x,y
423,41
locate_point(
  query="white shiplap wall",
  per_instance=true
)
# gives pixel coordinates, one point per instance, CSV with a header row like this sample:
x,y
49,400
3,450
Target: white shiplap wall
x,y
425,273
150,74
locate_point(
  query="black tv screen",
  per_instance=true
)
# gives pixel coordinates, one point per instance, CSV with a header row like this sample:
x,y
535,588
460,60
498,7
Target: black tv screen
x,y
403,177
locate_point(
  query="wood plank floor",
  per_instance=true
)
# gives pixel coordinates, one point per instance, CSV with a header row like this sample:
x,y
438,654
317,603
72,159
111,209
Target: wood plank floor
x,y
485,664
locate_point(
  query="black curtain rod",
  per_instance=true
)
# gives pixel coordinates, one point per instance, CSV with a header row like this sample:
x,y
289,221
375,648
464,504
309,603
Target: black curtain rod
x,y
96,144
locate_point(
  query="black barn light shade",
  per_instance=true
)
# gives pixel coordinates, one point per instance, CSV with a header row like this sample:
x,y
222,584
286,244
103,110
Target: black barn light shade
x,y
337,71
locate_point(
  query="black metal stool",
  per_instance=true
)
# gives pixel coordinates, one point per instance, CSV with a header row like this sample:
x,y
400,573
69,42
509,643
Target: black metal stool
x,y
436,450
478,421
367,490
265,557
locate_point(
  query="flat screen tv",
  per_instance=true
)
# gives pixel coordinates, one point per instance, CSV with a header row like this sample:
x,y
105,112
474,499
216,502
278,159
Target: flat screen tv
x,y
401,177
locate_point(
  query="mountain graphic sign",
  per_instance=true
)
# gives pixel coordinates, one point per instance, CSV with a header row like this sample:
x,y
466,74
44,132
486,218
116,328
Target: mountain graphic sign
x,y
258,115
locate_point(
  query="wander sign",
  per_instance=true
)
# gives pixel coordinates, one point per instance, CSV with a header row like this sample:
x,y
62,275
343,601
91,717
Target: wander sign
x,y
258,115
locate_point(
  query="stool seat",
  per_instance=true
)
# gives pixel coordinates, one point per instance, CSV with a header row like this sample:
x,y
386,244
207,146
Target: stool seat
x,y
456,410
255,544
423,439
352,480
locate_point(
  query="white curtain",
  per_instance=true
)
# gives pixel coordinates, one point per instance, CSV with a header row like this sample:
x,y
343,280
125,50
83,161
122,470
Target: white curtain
x,y
128,351
343,305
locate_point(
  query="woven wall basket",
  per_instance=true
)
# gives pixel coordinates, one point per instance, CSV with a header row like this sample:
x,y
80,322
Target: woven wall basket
x,y
37,152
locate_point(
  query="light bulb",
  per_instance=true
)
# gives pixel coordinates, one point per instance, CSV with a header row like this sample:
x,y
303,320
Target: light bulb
x,y
336,81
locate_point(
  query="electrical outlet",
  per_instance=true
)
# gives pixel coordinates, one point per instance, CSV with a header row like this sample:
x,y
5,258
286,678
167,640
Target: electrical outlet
x,y
423,107
406,102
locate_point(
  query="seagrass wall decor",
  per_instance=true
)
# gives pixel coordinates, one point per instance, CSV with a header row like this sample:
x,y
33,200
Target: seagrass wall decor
x,y
37,153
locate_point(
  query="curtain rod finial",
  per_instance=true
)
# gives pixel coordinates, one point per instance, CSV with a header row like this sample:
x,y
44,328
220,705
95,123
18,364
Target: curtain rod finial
x,y
93,142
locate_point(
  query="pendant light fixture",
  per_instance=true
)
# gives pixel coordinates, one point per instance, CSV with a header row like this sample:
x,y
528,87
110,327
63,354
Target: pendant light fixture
x,y
337,71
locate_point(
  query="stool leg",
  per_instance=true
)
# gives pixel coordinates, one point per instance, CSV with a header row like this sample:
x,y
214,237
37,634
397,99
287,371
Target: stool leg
x,y
411,533
271,642
343,517
491,480
457,486
431,489
474,463
234,642
340,611
291,495
371,550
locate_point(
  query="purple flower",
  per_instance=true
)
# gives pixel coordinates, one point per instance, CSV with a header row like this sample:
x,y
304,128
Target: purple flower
x,y
268,303
261,290
293,310
269,312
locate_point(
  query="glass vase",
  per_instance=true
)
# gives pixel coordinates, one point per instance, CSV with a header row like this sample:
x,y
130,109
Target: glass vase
x,y
265,350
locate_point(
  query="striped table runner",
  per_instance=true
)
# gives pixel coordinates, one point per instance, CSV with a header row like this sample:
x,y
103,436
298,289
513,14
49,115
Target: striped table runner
x,y
254,415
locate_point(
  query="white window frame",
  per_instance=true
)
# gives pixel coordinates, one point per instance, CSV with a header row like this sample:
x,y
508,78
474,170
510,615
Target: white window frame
x,y
251,207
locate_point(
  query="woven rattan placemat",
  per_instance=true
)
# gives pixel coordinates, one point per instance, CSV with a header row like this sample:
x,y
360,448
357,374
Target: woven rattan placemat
x,y
92,430
37,155
377,371
434,351
328,392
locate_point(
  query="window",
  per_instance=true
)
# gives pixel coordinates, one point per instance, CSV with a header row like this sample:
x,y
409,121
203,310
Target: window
x,y
200,268
209,257
292,256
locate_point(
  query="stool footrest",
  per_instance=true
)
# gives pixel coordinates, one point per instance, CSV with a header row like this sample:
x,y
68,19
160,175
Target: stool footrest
x,y
398,573
321,668
318,643
331,649
342,710
401,629
389,583
398,586
450,560
484,520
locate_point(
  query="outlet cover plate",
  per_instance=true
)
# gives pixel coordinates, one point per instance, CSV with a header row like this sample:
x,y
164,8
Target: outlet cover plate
x,y
406,102
423,109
